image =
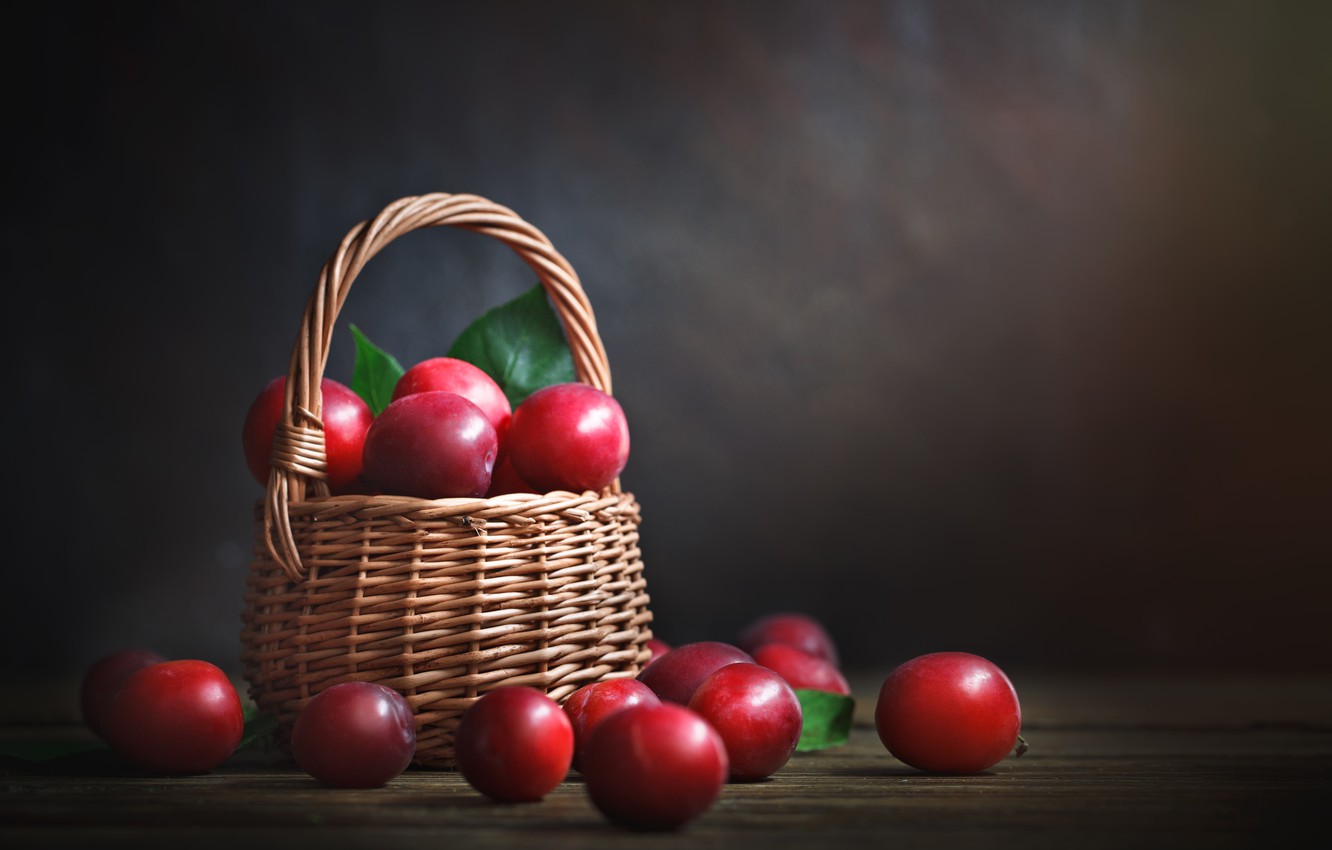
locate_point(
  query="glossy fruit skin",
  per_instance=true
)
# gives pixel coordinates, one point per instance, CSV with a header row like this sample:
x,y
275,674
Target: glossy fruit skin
x,y
676,675
948,712
104,677
654,767
802,670
569,437
505,479
175,717
514,744
346,420
790,627
431,445
452,375
354,735
591,704
757,715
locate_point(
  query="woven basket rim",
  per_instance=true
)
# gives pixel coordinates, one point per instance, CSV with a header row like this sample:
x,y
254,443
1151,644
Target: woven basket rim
x,y
553,496
514,508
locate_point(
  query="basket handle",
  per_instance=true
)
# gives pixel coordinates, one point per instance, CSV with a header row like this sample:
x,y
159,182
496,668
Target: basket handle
x,y
299,461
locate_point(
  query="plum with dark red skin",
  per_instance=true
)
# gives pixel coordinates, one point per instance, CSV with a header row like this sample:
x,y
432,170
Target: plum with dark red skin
x,y
949,712
675,675
514,744
104,677
802,670
346,419
505,479
591,704
790,627
654,767
175,717
451,375
757,715
354,735
658,648
568,436
431,445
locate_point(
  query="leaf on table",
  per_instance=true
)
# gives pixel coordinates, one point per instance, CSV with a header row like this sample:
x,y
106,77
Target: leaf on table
x,y
520,344
827,719
259,729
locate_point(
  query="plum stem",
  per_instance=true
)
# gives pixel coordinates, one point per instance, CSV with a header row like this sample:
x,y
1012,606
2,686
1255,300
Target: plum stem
x,y
1022,747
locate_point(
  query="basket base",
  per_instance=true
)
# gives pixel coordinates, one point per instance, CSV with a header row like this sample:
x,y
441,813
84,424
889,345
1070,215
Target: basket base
x,y
541,591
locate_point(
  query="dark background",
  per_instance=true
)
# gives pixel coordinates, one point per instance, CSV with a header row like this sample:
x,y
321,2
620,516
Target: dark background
x,y
959,325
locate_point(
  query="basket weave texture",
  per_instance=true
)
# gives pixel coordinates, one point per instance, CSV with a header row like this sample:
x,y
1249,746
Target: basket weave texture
x,y
442,600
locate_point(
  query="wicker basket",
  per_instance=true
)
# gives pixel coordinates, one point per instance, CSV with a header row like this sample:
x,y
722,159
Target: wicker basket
x,y
445,599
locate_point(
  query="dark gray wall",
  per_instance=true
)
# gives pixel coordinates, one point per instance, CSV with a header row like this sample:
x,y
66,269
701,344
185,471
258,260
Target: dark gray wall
x,y
991,326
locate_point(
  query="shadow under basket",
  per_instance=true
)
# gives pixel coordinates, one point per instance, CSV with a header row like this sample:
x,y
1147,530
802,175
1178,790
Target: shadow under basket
x,y
442,600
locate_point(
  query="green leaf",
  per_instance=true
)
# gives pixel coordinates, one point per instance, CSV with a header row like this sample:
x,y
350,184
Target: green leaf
x,y
259,728
827,719
520,344
375,374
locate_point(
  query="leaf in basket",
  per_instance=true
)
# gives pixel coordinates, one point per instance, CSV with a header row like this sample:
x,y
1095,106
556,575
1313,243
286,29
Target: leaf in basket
x,y
827,719
375,374
520,344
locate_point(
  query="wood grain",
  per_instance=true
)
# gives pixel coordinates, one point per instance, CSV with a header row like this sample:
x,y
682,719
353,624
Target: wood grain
x,y
1237,783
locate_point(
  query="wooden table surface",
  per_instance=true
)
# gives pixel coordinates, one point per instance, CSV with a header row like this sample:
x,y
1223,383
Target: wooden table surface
x,y
1115,761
